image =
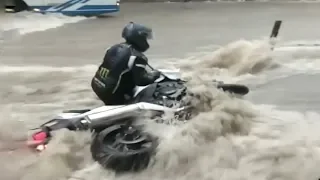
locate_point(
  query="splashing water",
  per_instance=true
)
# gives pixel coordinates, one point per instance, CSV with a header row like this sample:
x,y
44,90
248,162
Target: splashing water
x,y
25,22
230,138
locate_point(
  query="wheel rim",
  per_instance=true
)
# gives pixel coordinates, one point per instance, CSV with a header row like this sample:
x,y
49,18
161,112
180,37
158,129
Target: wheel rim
x,y
127,139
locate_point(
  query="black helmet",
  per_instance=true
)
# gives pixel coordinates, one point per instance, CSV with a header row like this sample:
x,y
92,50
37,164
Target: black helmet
x,y
137,35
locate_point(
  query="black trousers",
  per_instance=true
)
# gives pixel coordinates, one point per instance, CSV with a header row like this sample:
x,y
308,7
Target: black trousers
x,y
105,94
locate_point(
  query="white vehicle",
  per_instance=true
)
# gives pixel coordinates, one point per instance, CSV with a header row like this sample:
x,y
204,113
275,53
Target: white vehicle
x,y
65,7
118,143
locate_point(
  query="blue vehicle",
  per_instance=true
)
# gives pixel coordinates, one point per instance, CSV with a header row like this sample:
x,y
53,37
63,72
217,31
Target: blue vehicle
x,y
65,7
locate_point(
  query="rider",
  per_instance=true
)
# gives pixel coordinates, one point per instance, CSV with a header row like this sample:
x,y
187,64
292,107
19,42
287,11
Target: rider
x,y
124,67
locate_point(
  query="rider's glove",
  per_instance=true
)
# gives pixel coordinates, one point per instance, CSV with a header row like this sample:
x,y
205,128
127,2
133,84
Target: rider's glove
x,y
155,74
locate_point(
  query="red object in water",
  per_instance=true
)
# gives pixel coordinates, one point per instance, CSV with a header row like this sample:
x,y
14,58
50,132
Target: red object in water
x,y
37,139
39,136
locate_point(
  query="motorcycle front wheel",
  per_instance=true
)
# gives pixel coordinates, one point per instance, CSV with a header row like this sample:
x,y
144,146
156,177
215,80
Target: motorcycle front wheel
x,y
123,148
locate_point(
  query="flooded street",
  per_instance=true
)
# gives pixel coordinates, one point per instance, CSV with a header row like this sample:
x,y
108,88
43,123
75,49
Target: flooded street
x,y
47,63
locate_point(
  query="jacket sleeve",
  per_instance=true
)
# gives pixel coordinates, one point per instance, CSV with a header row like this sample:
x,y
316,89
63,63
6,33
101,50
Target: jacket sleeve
x,y
140,74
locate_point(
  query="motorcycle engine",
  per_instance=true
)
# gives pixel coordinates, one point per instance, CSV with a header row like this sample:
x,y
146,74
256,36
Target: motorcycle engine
x,y
170,94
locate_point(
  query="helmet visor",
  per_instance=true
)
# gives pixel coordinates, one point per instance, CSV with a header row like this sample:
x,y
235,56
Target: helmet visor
x,y
148,34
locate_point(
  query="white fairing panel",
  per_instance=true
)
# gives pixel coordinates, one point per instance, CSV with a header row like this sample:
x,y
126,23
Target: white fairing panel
x,y
93,111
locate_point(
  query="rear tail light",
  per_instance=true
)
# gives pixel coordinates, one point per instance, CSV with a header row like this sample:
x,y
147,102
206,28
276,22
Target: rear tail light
x,y
38,141
39,136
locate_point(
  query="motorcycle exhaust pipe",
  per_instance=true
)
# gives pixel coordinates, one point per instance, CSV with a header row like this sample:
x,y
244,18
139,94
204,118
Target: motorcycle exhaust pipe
x,y
106,118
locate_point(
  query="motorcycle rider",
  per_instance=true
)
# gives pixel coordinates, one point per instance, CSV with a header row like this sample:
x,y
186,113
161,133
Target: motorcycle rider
x,y
124,67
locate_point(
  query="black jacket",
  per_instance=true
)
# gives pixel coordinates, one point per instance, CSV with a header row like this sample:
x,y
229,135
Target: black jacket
x,y
122,69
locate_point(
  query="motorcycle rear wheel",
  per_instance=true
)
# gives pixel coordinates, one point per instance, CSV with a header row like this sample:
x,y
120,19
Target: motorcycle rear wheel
x,y
123,148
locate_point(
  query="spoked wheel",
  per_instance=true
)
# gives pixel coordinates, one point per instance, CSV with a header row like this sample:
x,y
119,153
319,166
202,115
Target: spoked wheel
x,y
123,148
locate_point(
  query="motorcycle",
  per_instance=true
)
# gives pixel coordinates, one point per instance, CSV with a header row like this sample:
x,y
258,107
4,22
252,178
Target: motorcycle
x,y
117,142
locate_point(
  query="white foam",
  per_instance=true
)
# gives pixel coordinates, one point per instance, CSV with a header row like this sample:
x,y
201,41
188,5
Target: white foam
x,y
26,22
299,56
45,69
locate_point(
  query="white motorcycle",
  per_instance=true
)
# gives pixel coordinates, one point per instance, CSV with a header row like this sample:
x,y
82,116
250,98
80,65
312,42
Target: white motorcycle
x,y
118,143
